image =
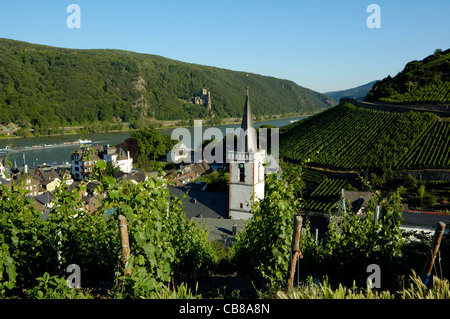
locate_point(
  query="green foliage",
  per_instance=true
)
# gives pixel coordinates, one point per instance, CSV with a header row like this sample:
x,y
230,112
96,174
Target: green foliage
x,y
163,243
413,289
88,240
50,87
217,181
152,143
324,290
420,82
168,250
26,249
8,272
54,287
350,245
432,150
263,249
354,243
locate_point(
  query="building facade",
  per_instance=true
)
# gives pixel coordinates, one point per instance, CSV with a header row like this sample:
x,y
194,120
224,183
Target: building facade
x,y
84,160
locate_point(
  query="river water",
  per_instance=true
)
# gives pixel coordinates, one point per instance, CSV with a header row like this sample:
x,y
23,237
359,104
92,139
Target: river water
x,y
61,155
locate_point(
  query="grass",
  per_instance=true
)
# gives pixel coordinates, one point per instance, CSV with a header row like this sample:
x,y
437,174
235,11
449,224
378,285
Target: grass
x,y
413,289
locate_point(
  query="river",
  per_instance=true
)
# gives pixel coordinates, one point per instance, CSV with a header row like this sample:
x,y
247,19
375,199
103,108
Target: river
x,y
61,155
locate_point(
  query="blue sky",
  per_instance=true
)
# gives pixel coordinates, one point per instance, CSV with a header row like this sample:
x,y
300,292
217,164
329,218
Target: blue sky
x,y
323,45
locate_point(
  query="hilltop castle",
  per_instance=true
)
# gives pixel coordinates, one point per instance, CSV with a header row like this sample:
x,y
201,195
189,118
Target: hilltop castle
x,y
203,99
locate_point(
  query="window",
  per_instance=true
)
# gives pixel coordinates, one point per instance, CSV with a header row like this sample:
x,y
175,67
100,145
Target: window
x,y
241,206
241,173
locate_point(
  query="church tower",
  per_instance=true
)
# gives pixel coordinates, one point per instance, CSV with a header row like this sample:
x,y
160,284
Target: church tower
x,y
246,169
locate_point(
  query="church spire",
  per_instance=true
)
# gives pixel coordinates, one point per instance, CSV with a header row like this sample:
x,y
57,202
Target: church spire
x,y
248,130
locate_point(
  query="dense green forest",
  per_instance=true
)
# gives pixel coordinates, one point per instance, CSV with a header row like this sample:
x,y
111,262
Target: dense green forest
x,y
420,82
46,86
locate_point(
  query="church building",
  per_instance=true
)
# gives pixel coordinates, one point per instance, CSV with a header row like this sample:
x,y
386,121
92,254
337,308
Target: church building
x,y
246,169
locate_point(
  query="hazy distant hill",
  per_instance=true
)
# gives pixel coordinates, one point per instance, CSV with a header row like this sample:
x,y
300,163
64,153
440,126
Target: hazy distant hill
x,y
358,93
420,82
47,86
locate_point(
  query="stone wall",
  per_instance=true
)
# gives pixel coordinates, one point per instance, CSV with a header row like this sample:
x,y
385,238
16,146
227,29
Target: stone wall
x,y
427,174
440,110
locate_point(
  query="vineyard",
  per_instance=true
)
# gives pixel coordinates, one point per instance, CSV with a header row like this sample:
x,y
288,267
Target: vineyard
x,y
429,94
433,149
347,137
352,139
313,176
325,197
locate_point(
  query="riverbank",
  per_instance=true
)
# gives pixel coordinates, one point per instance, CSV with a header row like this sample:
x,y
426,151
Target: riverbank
x,y
61,155
77,130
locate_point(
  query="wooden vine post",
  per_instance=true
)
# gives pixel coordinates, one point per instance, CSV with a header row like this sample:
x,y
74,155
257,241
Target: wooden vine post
x,y
123,226
295,250
439,232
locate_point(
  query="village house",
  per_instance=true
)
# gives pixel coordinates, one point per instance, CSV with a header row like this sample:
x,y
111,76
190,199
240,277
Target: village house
x,y
44,202
359,200
83,161
189,173
48,178
3,169
134,177
25,177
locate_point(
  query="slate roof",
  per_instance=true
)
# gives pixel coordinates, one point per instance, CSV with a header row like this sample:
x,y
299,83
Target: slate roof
x,y
221,228
247,126
45,198
204,204
358,199
138,176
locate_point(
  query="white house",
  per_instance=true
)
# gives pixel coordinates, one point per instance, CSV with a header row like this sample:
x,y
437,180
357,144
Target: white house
x,y
2,170
83,160
119,157
178,154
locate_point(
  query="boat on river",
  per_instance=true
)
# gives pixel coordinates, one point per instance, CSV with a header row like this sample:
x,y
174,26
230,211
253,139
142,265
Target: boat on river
x,y
45,146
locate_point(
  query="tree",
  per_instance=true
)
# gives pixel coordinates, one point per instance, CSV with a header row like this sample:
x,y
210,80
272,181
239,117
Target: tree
x,y
421,191
111,169
151,143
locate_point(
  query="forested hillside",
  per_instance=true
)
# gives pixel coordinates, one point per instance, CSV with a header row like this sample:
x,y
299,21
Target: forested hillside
x,y
420,82
47,87
358,93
